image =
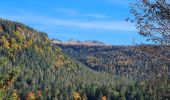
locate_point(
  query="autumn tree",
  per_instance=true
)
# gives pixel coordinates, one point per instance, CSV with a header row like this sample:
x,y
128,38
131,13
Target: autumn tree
x,y
76,96
152,19
7,79
14,96
30,96
5,42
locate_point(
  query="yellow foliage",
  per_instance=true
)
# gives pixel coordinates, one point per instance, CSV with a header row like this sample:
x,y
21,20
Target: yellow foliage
x,y
15,96
30,96
5,42
29,42
19,36
59,61
58,50
41,50
50,49
14,44
76,96
38,49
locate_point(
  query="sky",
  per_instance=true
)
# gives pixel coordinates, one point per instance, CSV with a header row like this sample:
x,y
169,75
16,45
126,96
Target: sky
x,y
101,20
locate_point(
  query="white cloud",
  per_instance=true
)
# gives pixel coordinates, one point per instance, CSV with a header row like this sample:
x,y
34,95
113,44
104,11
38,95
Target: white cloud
x,y
100,25
85,24
76,13
32,18
96,16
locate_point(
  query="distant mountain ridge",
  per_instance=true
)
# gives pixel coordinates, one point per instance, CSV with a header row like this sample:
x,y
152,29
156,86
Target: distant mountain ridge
x,y
77,42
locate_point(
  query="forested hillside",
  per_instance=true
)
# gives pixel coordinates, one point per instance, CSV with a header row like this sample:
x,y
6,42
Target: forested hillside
x,y
32,68
119,60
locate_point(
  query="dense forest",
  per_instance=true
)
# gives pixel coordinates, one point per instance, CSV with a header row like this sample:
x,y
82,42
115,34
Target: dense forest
x,y
120,60
33,68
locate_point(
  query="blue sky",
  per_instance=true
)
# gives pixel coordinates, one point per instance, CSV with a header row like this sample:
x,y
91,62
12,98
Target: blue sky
x,y
101,20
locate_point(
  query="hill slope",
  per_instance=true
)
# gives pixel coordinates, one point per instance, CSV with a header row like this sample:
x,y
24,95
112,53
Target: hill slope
x,y
46,72
119,60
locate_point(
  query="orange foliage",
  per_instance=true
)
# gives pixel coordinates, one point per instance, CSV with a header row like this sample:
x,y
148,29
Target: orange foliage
x,y
127,62
1,29
104,98
30,96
